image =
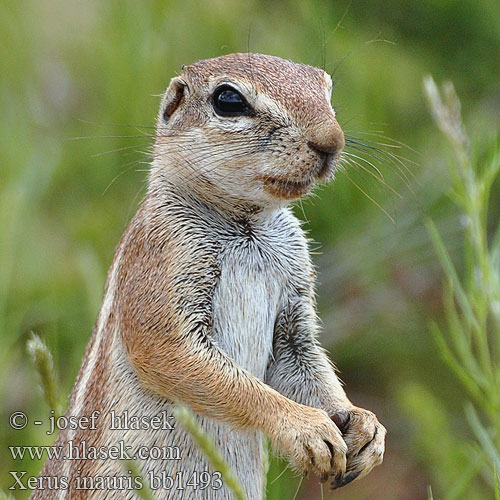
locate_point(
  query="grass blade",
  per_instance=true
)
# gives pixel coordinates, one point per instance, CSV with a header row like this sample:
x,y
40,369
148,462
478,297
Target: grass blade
x,y
187,419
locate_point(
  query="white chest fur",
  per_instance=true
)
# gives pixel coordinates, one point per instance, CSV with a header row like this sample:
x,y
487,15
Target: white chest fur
x,y
246,302
255,274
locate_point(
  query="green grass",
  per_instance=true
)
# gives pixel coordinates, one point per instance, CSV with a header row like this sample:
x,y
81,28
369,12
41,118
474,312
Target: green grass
x,y
471,346
206,444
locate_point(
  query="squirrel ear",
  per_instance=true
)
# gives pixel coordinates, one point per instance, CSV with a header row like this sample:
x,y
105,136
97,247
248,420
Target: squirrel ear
x,y
174,97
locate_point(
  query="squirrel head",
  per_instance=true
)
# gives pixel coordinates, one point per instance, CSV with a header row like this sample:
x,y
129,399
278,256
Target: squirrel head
x,y
247,128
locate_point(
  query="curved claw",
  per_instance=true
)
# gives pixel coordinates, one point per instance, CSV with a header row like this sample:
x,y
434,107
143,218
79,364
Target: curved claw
x,y
344,479
341,419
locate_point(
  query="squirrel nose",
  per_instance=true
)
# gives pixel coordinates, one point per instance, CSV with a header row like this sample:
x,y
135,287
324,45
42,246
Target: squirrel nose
x,y
328,138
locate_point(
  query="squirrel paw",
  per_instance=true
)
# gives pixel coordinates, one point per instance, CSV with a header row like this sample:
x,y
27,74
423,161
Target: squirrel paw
x,y
364,436
313,443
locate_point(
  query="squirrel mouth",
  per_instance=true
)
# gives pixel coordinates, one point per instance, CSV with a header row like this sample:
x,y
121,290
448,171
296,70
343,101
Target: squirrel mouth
x,y
292,189
286,189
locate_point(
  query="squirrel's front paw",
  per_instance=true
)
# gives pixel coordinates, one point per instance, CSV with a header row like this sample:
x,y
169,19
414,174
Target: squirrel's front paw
x,y
312,442
364,436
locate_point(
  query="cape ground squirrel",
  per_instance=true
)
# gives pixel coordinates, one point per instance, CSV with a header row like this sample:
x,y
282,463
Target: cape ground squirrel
x,y
210,297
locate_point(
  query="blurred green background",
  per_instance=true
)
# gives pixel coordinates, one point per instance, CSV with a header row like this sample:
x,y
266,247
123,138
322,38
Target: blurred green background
x,y
79,87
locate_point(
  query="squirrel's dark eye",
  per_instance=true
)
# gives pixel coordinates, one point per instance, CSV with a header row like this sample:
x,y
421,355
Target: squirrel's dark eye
x,y
229,102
